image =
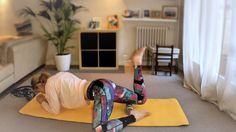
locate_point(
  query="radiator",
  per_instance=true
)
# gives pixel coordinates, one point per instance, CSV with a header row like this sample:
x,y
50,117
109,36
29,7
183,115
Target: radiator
x,y
151,35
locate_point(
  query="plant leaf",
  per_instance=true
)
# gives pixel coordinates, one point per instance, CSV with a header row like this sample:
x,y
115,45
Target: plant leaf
x,y
47,4
58,18
59,33
58,4
69,47
27,11
67,13
75,7
44,14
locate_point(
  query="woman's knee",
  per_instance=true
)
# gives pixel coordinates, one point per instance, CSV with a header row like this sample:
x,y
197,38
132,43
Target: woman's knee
x,y
142,99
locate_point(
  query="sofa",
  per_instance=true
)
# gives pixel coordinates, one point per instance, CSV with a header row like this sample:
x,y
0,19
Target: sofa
x,y
19,56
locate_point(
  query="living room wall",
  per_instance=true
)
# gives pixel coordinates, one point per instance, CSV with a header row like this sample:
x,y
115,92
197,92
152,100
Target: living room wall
x,y
6,15
96,8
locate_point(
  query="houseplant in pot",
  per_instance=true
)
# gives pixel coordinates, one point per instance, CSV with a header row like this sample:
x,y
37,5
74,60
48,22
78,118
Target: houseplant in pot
x,y
58,25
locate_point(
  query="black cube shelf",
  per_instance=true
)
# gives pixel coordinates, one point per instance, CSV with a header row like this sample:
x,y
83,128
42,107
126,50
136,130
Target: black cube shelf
x,y
98,49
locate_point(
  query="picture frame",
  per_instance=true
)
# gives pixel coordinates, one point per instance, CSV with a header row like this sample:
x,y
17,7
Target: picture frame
x,y
155,14
170,12
95,23
127,13
132,14
136,13
113,22
146,13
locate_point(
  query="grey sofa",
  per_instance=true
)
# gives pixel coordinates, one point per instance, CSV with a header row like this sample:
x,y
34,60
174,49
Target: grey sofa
x,y
19,57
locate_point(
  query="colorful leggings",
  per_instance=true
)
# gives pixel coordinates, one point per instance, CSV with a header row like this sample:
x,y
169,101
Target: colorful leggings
x,y
104,93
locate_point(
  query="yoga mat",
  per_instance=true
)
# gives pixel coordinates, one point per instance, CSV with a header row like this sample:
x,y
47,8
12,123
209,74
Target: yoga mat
x,y
164,112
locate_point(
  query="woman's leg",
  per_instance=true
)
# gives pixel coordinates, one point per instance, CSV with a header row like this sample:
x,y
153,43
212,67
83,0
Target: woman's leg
x,y
103,93
138,96
138,85
139,89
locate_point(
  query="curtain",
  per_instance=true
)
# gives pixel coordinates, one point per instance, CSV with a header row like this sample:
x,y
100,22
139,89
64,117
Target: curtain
x,y
209,49
226,86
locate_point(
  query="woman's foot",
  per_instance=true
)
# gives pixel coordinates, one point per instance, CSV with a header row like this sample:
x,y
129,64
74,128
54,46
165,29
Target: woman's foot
x,y
138,56
139,114
98,129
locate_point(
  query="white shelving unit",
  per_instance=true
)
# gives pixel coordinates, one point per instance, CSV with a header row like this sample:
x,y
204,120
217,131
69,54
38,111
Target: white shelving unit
x,y
148,20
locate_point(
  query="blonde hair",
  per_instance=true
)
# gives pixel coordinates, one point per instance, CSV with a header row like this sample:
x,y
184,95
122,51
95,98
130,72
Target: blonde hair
x,y
39,78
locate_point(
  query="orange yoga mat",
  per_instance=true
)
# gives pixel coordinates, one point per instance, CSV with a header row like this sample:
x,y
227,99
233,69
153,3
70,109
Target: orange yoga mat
x,y
164,112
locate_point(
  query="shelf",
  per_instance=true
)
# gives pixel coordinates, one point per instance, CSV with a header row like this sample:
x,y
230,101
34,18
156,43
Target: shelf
x,y
99,30
98,49
148,20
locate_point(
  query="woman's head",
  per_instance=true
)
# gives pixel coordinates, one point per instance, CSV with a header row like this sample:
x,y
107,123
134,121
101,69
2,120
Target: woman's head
x,y
39,81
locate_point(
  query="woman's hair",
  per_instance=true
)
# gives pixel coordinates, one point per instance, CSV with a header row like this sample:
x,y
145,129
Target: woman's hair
x,y
39,78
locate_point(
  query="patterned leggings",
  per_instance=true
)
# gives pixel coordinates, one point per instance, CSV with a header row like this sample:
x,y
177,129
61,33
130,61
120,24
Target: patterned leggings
x,y
104,93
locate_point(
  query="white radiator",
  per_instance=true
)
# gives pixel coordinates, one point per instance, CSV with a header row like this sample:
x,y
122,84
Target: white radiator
x,y
151,35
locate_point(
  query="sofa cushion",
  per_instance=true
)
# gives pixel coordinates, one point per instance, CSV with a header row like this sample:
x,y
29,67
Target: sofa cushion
x,y
6,71
4,40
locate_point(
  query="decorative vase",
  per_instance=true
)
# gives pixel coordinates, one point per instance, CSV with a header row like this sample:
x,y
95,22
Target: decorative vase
x,y
63,62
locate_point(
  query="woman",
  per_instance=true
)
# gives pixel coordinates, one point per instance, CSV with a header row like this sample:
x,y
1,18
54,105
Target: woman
x,y
67,90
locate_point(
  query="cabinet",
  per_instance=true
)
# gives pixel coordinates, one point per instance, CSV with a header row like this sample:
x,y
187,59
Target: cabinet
x,y
98,49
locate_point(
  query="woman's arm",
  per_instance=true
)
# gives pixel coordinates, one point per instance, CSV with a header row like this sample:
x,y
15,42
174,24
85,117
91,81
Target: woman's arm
x,y
51,104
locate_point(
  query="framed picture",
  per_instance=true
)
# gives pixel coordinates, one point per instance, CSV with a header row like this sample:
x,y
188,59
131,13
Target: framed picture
x,y
170,12
155,14
136,13
146,13
95,23
128,14
113,22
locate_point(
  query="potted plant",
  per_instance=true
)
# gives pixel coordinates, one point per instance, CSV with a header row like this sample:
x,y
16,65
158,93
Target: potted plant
x,y
58,28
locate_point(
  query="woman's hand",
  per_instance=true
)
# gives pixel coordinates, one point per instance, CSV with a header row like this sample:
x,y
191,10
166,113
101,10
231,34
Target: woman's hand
x,y
41,98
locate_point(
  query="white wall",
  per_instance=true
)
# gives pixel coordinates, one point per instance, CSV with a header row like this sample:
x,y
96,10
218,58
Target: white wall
x,y
6,17
97,8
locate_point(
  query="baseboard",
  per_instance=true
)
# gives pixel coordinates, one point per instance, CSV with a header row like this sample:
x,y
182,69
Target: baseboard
x,y
54,67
